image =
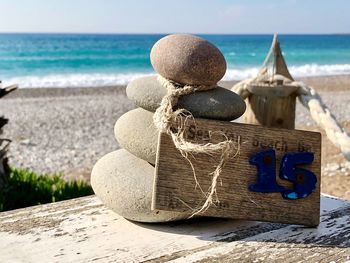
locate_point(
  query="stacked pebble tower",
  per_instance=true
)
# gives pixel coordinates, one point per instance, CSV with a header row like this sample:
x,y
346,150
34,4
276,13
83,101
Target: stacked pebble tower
x,y
123,179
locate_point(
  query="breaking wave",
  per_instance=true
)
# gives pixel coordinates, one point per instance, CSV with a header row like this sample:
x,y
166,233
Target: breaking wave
x,y
110,79
306,70
74,80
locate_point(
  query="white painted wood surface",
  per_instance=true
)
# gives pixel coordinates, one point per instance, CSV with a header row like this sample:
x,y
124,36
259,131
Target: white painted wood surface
x,y
83,230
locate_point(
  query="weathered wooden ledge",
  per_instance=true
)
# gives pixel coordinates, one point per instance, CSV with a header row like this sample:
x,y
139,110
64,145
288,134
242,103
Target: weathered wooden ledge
x,y
83,230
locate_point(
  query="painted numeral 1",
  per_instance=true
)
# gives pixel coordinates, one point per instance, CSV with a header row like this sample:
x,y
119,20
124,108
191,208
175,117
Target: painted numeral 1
x,y
265,163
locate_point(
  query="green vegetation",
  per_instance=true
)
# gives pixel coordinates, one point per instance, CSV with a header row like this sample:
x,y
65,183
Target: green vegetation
x,y
25,188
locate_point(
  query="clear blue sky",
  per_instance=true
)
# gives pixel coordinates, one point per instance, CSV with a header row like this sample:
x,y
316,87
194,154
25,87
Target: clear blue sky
x,y
164,16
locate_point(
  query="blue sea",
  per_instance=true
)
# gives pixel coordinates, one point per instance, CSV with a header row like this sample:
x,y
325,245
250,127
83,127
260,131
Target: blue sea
x,y
81,60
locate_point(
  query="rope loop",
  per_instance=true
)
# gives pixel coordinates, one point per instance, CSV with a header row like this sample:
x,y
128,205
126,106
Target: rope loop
x,y
174,124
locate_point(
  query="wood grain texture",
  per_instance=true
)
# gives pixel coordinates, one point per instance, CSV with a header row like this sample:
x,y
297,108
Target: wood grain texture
x,y
271,111
174,186
83,230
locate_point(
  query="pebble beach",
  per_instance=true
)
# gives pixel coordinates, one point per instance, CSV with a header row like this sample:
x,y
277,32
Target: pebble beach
x,y
66,130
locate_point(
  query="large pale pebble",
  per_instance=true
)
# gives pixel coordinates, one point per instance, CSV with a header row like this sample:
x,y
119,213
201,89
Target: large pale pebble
x,y
217,104
188,59
124,183
136,133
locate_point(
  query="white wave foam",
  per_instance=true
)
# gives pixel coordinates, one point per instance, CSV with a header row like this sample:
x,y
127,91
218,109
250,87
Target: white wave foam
x,y
74,80
306,70
238,74
319,70
96,79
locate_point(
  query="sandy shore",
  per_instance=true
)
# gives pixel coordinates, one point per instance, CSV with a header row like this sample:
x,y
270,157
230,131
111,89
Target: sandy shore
x,y
68,130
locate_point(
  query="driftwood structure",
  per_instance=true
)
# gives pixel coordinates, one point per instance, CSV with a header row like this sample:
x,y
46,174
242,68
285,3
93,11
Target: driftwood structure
x,y
272,100
272,97
4,143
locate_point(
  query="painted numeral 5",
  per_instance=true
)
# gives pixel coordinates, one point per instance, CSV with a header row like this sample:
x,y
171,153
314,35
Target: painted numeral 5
x,y
304,181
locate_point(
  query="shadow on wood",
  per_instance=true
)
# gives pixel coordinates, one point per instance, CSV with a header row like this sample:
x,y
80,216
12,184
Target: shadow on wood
x,y
82,230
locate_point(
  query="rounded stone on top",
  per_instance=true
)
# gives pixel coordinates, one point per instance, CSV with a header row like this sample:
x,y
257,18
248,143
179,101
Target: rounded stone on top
x,y
188,59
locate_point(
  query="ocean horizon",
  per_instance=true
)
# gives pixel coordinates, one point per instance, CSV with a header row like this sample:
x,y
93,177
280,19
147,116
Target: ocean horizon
x,y
91,60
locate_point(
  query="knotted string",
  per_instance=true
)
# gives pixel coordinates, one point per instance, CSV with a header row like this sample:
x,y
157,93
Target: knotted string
x,y
173,123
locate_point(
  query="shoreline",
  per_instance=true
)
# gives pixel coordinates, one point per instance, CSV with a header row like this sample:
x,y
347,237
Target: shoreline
x,y
321,83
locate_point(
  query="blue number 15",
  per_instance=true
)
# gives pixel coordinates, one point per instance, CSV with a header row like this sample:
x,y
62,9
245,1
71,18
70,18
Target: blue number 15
x,y
304,181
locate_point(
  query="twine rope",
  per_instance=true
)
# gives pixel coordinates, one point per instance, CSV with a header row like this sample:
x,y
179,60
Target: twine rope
x,y
173,123
319,112
241,88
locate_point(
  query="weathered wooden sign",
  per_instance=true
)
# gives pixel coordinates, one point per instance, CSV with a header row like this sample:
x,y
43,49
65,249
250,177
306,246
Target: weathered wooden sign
x,y
275,176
